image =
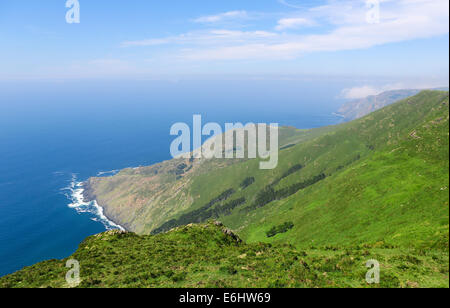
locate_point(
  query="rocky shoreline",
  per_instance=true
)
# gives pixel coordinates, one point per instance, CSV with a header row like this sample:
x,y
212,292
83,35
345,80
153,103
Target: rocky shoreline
x,y
88,192
89,196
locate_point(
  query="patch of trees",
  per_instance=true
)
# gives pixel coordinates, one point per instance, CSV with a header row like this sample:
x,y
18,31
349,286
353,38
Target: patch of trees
x,y
354,159
290,171
226,209
204,213
280,229
181,166
287,147
223,196
247,182
179,172
269,194
290,190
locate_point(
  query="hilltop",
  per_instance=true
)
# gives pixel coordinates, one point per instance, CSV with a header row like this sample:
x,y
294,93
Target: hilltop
x,y
208,255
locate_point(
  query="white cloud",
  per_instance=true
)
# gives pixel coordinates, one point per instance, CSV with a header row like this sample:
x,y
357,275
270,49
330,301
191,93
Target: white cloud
x,y
293,23
360,92
297,4
368,90
206,38
221,17
401,20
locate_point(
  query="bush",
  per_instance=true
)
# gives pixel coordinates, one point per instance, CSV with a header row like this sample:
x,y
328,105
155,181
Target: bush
x,y
247,182
280,229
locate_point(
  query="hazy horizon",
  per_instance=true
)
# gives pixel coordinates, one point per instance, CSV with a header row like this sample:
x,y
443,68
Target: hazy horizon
x,y
397,45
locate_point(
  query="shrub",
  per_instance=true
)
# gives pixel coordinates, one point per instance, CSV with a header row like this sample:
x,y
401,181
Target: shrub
x,y
247,182
280,229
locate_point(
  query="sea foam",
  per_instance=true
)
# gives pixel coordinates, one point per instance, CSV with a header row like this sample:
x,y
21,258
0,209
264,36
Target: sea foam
x,y
81,206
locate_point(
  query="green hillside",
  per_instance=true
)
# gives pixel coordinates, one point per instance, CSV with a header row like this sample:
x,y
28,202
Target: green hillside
x,y
373,188
204,256
396,192
142,199
386,180
358,108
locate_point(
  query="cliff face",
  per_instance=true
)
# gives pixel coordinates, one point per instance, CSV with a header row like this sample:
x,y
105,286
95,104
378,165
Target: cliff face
x,y
140,198
359,108
90,194
356,109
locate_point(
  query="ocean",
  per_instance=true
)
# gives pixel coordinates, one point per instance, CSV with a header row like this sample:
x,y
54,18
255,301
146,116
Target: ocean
x,y
55,135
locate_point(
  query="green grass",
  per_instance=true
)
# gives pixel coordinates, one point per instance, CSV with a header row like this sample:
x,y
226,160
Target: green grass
x,y
397,192
204,256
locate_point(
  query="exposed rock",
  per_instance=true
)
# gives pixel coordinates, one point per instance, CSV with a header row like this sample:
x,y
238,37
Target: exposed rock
x,y
88,192
414,135
232,235
111,232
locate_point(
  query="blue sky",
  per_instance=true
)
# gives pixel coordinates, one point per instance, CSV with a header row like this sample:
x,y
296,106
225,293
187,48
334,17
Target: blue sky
x,y
184,39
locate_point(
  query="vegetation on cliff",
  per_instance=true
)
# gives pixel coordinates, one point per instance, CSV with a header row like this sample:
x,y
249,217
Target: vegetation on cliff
x,y
375,188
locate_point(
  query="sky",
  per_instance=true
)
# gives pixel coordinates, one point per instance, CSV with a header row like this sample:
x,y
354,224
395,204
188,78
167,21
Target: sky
x,y
403,41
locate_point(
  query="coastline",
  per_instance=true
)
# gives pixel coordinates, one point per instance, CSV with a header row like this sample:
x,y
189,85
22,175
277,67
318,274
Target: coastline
x,y
102,215
339,115
84,202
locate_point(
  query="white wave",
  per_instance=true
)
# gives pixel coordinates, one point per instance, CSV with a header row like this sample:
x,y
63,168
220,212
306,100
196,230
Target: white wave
x,y
112,172
81,206
109,224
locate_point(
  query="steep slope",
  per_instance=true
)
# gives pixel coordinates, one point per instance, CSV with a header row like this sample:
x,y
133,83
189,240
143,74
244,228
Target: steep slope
x,y
397,195
358,108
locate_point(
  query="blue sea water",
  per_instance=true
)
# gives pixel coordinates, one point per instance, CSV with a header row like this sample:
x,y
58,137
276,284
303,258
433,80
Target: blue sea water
x,y
54,135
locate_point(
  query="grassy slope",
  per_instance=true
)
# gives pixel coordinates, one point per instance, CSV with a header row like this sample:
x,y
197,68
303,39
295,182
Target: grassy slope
x,y
397,191
203,256
398,194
